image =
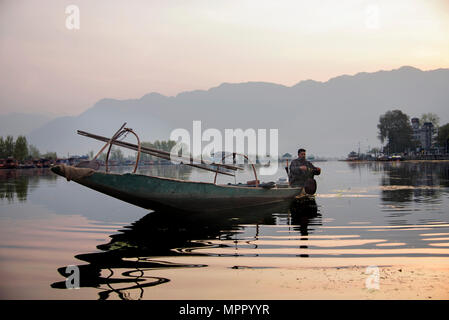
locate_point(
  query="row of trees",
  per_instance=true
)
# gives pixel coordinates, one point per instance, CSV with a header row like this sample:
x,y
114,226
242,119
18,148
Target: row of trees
x,y
20,150
160,145
395,128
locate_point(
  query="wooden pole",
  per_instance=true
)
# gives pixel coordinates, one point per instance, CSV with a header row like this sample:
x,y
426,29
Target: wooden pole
x,y
107,143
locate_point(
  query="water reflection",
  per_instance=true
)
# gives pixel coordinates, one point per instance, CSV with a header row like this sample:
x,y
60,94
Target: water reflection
x,y
369,210
305,217
410,181
125,264
405,182
16,184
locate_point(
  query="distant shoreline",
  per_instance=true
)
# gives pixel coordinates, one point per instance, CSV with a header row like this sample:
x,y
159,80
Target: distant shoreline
x,y
405,160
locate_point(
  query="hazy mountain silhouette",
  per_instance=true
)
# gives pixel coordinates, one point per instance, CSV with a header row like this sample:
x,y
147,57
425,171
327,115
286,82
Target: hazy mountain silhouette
x,y
327,118
21,123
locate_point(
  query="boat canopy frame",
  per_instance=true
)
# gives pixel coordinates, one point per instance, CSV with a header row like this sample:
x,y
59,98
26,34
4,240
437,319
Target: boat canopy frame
x,y
202,164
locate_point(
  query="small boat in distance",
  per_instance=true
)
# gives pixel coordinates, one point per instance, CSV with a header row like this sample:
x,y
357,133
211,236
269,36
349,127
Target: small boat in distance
x,y
9,163
154,193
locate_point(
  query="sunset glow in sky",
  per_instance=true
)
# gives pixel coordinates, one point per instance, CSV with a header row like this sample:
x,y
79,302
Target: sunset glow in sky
x,y
128,49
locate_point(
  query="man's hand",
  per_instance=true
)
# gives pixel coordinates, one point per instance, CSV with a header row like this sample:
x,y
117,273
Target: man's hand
x,y
303,168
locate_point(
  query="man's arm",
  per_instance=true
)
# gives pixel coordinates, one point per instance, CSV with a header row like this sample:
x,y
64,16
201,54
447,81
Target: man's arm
x,y
315,170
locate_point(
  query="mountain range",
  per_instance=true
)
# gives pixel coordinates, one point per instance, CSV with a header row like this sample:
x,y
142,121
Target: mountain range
x,y
16,123
328,118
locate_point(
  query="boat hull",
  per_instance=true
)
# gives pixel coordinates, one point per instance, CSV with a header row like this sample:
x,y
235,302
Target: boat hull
x,y
159,193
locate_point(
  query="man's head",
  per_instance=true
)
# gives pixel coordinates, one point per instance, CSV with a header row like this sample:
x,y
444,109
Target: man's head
x,y
301,153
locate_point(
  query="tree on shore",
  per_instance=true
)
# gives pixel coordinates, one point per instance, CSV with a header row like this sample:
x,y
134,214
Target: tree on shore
x,y
160,145
164,145
33,152
2,148
443,135
50,155
20,148
395,128
9,146
116,154
430,117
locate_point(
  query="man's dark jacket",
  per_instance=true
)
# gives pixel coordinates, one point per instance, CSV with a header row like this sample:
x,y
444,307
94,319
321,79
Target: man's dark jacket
x,y
298,177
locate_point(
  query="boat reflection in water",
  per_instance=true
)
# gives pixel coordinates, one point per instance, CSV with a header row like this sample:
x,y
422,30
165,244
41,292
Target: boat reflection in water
x,y
124,265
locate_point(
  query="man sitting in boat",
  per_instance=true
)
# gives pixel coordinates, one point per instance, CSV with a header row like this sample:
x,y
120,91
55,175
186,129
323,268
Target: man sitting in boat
x,y
301,170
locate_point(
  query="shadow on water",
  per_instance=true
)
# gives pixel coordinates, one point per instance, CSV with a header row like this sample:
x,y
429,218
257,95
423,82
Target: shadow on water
x,y
124,263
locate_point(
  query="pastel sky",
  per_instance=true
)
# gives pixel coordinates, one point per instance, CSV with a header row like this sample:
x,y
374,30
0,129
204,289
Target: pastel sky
x,y
126,49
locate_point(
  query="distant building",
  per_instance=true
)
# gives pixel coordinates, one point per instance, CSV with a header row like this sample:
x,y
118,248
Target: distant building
x,y
353,156
427,132
416,129
74,160
424,134
286,156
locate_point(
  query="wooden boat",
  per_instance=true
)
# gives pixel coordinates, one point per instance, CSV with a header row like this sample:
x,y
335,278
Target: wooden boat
x,y
152,192
9,163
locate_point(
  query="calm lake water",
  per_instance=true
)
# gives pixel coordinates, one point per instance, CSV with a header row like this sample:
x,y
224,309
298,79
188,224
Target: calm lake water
x,y
122,251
